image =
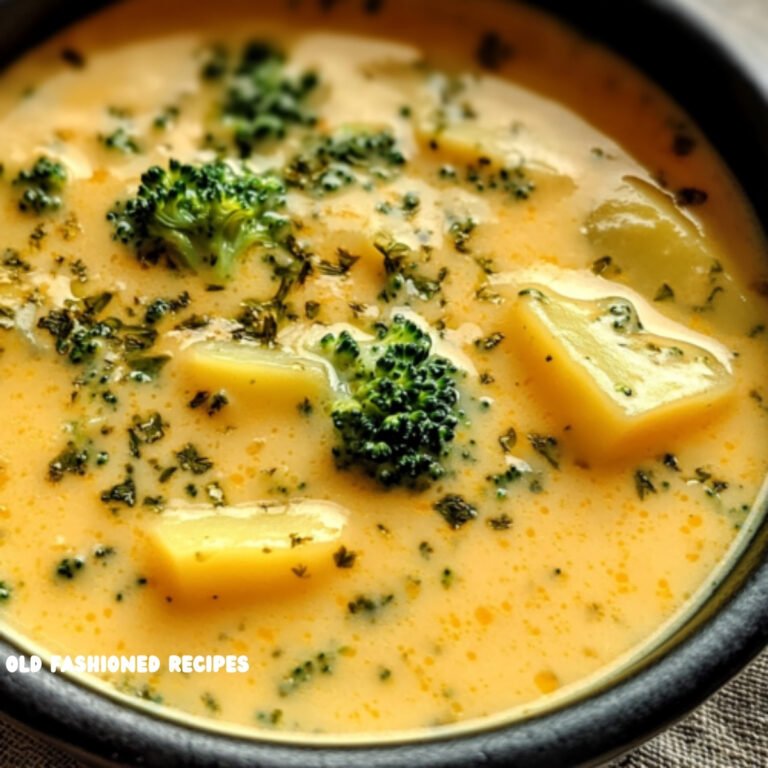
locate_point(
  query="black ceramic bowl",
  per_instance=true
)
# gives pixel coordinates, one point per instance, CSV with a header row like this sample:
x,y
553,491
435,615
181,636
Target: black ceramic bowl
x,y
707,78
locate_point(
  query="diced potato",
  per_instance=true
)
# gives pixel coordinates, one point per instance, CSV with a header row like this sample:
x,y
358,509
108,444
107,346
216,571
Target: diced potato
x,y
243,550
654,247
256,373
621,389
504,159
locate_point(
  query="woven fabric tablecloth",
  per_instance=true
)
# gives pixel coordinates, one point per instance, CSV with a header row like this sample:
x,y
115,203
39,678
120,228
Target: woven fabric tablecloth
x,y
731,729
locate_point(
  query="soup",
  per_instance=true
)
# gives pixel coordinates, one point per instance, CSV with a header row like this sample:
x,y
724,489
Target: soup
x,y
413,369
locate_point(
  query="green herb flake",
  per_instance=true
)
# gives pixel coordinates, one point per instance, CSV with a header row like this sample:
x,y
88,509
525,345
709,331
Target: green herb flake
x,y
210,703
72,460
369,606
304,673
508,440
161,307
190,460
455,510
644,483
344,558
546,446
426,550
271,718
124,492
157,503
146,369
311,309
489,342
146,429
669,460
501,523
218,401
460,231
602,265
69,567
344,262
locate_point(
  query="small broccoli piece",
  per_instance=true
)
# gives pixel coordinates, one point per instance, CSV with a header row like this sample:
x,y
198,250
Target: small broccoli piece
x,y
343,351
124,492
77,332
201,217
401,413
332,162
43,184
69,567
121,141
262,101
455,510
72,459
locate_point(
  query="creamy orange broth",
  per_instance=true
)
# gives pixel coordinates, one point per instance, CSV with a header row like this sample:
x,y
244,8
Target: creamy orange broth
x,y
549,586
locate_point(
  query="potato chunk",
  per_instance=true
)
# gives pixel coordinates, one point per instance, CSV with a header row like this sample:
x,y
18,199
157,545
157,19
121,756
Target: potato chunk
x,y
254,372
198,552
660,252
621,389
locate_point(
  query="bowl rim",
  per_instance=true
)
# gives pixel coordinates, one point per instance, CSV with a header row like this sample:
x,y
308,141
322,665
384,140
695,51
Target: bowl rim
x,y
684,670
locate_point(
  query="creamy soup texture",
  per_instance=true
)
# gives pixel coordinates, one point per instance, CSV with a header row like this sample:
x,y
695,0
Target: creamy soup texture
x,y
413,352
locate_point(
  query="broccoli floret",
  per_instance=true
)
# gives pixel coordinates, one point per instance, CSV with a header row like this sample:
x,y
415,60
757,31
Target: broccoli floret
x,y
332,162
201,217
401,413
44,182
343,351
262,100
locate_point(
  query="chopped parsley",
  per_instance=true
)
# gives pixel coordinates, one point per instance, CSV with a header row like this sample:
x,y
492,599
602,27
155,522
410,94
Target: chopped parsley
x,y
501,523
190,460
69,567
122,493
644,483
455,510
344,558
546,446
72,460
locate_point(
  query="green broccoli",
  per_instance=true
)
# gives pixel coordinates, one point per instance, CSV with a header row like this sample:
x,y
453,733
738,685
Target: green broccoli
x,y
332,162
44,182
261,100
201,217
401,413
121,141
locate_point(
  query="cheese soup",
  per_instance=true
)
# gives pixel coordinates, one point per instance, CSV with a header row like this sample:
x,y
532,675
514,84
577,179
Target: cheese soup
x,y
411,354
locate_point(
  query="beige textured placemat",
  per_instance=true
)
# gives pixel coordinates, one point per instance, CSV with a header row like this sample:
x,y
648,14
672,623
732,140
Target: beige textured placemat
x,y
731,729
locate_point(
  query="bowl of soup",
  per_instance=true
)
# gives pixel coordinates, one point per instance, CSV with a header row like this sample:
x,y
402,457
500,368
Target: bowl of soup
x,y
385,381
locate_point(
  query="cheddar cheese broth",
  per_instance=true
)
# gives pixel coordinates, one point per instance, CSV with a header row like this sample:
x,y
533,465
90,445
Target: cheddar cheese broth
x,y
561,232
